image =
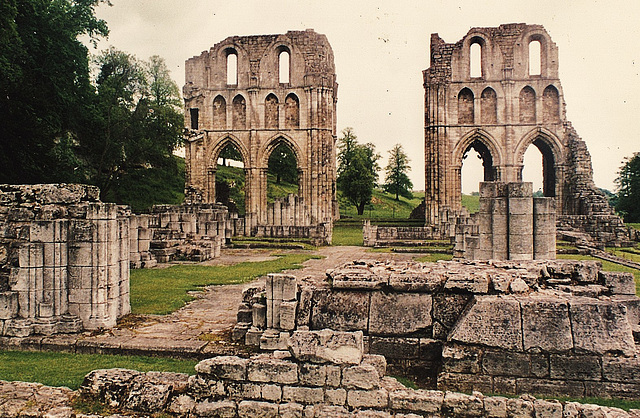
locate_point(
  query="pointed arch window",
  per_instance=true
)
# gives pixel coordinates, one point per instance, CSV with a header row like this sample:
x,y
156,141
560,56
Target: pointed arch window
x,y
527,105
219,113
465,106
475,59
551,104
292,112
271,112
489,106
239,112
232,67
535,57
284,66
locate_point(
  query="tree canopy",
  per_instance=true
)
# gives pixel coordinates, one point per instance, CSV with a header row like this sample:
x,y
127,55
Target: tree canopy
x,y
628,184
357,170
44,86
283,164
397,181
61,125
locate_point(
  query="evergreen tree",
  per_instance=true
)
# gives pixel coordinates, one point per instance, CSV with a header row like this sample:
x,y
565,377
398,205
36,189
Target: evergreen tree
x,y
397,181
357,170
628,182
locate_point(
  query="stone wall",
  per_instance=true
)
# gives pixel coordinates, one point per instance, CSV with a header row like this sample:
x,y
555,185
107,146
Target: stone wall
x,y
321,374
501,112
64,259
552,327
512,225
255,110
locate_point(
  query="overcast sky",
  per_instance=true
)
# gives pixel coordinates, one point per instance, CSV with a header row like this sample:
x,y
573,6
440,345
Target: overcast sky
x,y
381,48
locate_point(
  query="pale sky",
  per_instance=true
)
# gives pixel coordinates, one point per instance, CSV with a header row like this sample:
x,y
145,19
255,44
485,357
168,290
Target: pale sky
x,y
381,47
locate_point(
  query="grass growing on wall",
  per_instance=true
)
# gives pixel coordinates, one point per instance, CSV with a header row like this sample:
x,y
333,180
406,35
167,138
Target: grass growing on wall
x,y
67,369
161,291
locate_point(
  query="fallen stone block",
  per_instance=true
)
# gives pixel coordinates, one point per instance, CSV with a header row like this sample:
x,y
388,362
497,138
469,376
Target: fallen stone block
x,y
327,346
224,367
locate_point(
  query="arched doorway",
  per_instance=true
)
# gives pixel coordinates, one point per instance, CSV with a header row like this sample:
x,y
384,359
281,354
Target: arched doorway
x,y
282,173
477,165
539,167
230,179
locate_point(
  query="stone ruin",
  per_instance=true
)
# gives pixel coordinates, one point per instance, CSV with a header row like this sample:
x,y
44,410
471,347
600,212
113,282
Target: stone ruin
x,y
496,102
558,328
64,260
65,255
510,224
256,93
319,374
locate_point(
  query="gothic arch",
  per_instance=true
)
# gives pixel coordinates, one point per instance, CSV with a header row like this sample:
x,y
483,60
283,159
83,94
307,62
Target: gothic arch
x,y
467,141
552,158
466,106
272,143
489,106
239,110
291,111
271,112
550,104
219,113
218,146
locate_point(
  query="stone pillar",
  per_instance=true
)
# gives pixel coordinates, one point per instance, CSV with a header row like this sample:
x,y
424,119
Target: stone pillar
x,y
520,221
544,224
485,222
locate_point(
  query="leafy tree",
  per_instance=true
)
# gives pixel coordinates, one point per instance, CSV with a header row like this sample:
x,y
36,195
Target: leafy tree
x,y
397,181
357,170
44,86
230,152
283,165
628,184
137,123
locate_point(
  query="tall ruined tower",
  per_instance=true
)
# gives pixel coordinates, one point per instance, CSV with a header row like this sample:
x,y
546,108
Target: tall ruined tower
x,y
497,91
258,92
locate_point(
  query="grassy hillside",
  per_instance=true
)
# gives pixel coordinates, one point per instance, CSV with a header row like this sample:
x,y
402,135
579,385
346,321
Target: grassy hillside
x,y
383,205
471,202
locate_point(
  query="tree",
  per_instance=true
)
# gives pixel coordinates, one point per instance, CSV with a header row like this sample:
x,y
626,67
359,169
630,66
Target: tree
x,y
44,86
137,123
628,184
230,152
357,170
397,181
283,165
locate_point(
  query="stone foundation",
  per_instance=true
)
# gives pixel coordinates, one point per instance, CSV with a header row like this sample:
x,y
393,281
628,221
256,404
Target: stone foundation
x,y
64,262
321,374
507,327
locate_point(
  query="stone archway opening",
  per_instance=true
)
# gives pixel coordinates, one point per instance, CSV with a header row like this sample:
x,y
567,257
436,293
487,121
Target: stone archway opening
x,y
539,167
230,179
477,166
282,173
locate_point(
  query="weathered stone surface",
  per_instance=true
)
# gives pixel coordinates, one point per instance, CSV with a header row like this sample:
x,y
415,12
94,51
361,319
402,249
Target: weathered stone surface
x,y
575,367
621,369
378,398
271,370
462,405
545,324
340,310
493,321
461,359
547,409
520,408
290,410
255,409
618,282
612,390
392,347
224,367
312,374
551,387
303,395
600,327
222,409
446,311
476,282
423,401
243,390
389,313
182,405
505,363
461,382
327,346
271,393
360,377
377,361
496,407
335,396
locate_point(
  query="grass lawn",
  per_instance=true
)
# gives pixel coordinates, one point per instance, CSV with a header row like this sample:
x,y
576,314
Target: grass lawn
x,y
635,226
433,257
66,369
347,234
164,290
383,205
471,202
606,266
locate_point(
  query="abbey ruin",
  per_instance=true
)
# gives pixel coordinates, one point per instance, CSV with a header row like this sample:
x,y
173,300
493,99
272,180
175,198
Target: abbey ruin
x,y
256,93
503,317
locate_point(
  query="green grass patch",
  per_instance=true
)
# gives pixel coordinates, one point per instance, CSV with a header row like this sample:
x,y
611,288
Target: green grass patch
x,y
612,403
631,254
471,202
383,205
434,257
634,226
347,234
606,266
163,290
66,369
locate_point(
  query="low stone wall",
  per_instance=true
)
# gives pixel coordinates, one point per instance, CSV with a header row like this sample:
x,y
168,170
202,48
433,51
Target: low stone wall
x,y
193,232
317,234
64,259
321,374
553,327
604,230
